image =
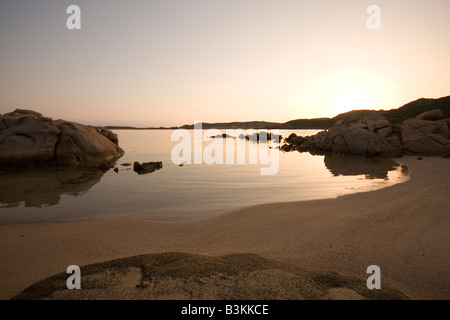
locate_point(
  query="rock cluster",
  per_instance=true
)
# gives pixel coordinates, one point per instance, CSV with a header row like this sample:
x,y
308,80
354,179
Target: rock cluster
x,y
262,136
27,138
427,134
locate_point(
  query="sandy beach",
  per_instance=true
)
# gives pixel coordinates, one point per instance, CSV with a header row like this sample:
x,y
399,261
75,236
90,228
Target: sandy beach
x,y
298,250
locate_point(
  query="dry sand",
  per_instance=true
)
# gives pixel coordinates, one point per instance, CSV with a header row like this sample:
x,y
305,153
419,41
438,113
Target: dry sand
x,y
298,250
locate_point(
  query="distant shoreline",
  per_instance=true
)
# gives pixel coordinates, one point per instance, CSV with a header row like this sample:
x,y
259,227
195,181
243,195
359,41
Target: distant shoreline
x,y
395,116
224,128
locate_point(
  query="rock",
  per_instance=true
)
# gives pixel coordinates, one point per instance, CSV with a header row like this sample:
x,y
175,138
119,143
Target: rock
x,y
356,140
146,167
294,140
290,138
126,164
286,147
105,167
395,143
427,134
19,115
363,142
339,146
262,137
368,137
397,129
109,134
432,115
447,121
415,128
2,123
29,139
223,135
81,145
384,132
360,124
372,125
116,170
430,145
382,123
444,131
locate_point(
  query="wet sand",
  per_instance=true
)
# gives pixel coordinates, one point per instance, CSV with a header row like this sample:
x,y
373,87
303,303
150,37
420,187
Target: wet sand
x,y
307,250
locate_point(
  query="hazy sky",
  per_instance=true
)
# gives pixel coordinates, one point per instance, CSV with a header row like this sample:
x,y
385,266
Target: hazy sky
x,y
172,62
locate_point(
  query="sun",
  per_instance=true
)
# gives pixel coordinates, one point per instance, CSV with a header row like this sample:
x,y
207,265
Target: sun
x,y
351,100
342,89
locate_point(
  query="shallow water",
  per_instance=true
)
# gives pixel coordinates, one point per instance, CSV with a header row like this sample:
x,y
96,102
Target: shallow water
x,y
188,192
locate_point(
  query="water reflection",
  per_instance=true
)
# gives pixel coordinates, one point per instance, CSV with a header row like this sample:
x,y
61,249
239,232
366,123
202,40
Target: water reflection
x,y
44,187
371,168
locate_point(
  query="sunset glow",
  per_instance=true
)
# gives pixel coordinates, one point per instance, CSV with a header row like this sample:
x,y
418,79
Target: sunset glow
x,y
168,63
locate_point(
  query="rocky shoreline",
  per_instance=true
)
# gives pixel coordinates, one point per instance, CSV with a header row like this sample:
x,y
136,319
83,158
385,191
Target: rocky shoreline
x,y
427,134
28,139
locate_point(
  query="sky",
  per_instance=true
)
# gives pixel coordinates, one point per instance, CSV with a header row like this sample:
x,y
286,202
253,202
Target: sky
x,y
174,62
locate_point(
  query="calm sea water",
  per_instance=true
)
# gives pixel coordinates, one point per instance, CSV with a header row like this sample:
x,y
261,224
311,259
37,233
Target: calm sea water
x,y
180,193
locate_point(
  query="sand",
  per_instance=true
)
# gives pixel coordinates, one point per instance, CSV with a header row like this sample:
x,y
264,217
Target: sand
x,y
298,250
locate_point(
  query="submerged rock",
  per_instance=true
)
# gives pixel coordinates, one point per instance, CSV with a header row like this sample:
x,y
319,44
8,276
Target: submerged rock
x,y
262,137
146,167
224,136
27,138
